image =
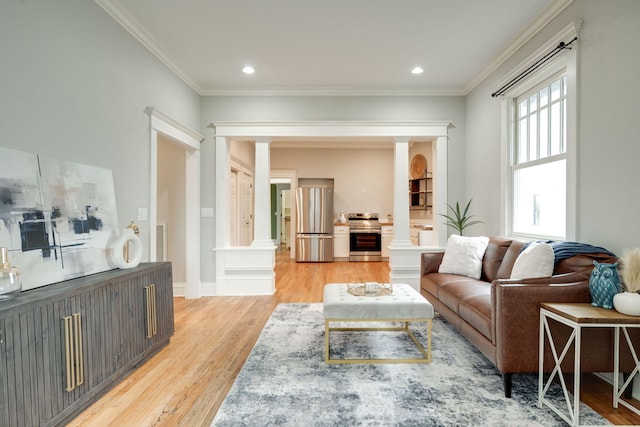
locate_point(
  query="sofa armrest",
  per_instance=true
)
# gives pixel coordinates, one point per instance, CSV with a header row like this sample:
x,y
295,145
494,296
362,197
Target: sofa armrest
x,y
430,262
516,315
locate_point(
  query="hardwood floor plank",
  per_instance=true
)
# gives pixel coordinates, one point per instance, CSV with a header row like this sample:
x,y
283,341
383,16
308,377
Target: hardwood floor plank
x,y
185,383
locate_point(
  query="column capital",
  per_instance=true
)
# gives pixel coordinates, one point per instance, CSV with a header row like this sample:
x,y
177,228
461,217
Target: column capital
x,y
401,139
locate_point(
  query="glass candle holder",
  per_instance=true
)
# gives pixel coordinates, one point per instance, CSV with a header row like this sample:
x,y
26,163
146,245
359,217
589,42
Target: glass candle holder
x,y
371,289
10,282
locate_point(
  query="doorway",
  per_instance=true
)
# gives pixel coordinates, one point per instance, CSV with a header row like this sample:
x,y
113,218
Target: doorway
x,y
164,128
171,243
240,208
281,213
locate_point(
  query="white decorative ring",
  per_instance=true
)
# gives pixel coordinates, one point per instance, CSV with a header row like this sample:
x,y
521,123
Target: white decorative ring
x,y
135,250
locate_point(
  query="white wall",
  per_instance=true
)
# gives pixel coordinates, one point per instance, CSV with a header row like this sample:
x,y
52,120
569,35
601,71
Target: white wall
x,y
608,125
363,178
74,86
243,155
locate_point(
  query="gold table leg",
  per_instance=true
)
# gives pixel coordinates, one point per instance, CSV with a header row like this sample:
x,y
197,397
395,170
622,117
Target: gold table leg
x,y
426,353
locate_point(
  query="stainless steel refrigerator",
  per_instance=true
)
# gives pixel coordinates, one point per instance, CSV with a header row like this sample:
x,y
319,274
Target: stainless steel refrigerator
x,y
314,220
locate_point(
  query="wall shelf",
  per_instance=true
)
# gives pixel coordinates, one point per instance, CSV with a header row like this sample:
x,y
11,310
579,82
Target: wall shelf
x,y
421,193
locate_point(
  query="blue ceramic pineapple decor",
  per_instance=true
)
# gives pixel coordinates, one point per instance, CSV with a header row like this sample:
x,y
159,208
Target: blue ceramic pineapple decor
x,y
604,283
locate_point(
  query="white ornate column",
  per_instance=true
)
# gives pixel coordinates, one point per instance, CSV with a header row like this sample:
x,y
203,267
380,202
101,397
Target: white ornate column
x,y
440,191
401,194
244,270
404,263
262,196
223,170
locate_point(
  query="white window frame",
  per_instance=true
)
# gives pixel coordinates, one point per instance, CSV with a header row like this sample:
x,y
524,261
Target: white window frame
x,y
564,62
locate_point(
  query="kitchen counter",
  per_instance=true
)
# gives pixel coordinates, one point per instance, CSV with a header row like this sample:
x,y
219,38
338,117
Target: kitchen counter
x,y
390,224
421,226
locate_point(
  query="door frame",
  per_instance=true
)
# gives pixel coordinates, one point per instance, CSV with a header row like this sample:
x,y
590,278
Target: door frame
x,y
251,270
190,141
292,176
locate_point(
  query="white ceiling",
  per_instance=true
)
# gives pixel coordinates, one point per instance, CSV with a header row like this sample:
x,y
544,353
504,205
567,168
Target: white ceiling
x,y
364,47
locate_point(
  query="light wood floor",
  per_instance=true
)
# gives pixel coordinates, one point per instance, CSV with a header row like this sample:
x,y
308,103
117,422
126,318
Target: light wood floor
x,y
185,383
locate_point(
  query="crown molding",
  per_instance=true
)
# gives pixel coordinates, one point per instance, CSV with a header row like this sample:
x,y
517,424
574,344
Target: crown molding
x,y
527,34
565,35
131,25
329,91
113,8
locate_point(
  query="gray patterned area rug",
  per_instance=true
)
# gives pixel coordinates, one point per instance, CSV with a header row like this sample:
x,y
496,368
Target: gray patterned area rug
x,y
286,382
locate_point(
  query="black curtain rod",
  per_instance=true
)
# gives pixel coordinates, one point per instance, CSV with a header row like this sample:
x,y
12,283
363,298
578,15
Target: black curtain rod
x,y
561,46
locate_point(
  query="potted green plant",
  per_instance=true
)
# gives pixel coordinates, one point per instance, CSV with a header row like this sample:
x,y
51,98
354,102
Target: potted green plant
x,y
460,219
628,302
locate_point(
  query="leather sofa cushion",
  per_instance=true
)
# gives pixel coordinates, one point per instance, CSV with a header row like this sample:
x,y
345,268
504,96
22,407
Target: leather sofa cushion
x,y
493,257
431,282
509,260
452,292
581,262
476,310
466,297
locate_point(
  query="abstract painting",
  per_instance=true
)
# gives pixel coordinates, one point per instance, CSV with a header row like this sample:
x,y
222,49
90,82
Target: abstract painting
x,y
57,218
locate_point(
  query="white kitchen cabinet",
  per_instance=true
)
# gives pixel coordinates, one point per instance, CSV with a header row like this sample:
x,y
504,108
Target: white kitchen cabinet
x,y
341,243
414,235
387,237
426,238
421,235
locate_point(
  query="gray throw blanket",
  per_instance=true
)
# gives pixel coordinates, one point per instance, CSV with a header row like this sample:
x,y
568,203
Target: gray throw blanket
x,y
564,250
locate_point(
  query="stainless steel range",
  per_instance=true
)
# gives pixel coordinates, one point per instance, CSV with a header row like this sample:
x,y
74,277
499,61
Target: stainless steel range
x,y
365,237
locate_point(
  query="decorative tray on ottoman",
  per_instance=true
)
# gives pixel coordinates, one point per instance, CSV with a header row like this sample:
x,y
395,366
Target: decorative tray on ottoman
x,y
370,289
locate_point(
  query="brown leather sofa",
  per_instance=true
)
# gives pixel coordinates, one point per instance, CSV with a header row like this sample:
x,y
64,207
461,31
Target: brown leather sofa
x,y
501,317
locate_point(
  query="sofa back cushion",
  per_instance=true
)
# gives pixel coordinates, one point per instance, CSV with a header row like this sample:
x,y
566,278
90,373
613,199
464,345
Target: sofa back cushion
x,y
499,258
502,253
583,263
509,259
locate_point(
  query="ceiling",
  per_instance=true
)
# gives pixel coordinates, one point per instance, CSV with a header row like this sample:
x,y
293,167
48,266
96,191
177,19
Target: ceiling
x,y
332,47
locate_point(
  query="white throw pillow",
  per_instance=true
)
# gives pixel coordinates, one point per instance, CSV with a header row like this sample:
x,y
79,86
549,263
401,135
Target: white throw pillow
x,y
463,256
536,260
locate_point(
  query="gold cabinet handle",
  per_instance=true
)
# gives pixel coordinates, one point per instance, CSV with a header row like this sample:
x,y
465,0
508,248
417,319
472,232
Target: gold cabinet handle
x,y
150,299
154,312
77,323
68,353
73,351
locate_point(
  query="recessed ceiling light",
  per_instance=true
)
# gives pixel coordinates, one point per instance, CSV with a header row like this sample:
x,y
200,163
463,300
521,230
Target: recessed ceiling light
x,y
248,70
417,70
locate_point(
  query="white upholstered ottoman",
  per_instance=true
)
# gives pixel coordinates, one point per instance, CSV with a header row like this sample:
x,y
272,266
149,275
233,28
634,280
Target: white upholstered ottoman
x,y
404,304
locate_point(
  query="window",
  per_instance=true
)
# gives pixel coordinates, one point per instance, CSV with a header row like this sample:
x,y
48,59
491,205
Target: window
x,y
539,143
539,160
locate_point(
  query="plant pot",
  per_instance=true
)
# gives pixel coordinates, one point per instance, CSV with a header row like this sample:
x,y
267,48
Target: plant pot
x,y
627,303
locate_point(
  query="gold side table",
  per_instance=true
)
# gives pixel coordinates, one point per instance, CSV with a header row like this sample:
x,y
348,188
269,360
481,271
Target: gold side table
x,y
578,316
